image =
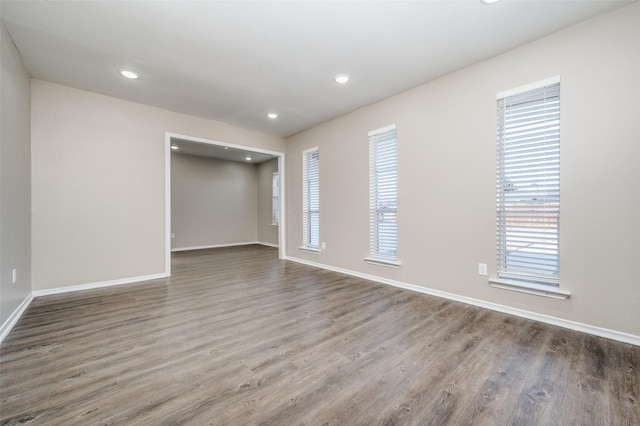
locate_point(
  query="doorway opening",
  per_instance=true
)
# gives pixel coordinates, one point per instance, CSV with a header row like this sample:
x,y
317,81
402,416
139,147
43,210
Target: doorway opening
x,y
217,151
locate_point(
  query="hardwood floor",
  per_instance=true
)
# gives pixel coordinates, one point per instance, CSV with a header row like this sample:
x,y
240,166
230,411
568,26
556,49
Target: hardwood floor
x,y
238,337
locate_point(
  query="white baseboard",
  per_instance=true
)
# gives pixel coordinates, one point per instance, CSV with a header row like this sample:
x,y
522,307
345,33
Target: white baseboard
x,y
246,243
262,243
14,317
101,284
560,322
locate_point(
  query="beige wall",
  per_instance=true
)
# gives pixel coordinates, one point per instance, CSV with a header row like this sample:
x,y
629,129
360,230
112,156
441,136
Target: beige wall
x,y
213,202
98,183
446,138
267,233
15,179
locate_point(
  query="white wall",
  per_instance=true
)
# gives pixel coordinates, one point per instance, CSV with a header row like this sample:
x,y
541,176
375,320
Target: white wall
x,y
267,233
213,202
15,179
98,183
446,137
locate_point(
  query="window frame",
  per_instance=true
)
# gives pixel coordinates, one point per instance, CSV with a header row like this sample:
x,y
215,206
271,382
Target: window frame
x,y
311,200
275,199
531,228
383,172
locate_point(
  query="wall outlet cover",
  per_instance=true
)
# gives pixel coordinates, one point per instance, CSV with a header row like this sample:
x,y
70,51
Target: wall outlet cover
x,y
482,268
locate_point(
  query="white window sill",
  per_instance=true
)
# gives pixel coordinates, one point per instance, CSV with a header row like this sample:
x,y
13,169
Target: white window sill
x,y
383,262
530,288
310,249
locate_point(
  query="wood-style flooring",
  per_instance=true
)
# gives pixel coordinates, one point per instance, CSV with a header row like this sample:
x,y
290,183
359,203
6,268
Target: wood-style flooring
x,y
238,337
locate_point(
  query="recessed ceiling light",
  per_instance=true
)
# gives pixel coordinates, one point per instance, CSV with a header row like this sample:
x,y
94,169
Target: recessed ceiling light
x,y
272,115
129,74
248,158
174,147
226,147
341,78
488,2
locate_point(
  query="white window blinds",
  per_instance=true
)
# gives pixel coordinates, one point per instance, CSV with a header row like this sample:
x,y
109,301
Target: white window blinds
x,y
528,184
383,196
311,199
275,199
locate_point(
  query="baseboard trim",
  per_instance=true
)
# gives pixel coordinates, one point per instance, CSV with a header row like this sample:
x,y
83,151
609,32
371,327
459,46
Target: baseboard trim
x,y
101,284
14,317
262,243
246,243
560,322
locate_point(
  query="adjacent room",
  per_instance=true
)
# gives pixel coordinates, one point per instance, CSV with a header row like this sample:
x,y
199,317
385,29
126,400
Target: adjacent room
x,y
319,212
222,196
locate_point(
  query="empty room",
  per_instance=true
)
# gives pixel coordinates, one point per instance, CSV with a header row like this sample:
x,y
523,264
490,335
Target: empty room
x,y
320,212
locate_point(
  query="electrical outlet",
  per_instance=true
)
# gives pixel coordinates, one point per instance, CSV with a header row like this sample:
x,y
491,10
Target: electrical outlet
x,y
324,245
482,268
15,275
173,235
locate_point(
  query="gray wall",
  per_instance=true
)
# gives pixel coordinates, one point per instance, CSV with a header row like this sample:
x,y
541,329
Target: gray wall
x,y
15,179
446,139
267,233
98,183
213,202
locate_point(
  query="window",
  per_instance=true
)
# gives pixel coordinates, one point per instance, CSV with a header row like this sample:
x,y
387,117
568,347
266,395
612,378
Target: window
x,y
528,183
383,195
275,201
311,199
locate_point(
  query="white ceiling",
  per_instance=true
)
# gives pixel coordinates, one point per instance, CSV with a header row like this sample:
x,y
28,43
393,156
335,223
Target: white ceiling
x,y
233,61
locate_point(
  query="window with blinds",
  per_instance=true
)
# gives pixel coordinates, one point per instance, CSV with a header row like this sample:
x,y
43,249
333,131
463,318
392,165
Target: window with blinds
x,y
383,194
528,183
275,199
311,199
